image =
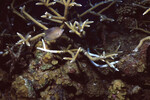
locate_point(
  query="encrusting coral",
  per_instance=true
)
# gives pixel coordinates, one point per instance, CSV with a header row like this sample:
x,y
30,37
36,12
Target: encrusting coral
x,y
117,90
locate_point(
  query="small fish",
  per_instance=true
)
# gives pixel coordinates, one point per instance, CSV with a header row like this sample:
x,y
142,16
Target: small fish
x,y
53,33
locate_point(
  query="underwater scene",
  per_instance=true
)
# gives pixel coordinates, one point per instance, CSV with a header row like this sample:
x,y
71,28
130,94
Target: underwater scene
x,y
74,49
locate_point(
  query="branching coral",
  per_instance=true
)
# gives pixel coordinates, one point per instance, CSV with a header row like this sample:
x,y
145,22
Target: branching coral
x,y
48,4
143,7
141,42
32,19
15,11
104,58
140,29
93,7
146,11
28,38
23,39
67,4
78,28
70,66
16,57
91,56
99,13
57,17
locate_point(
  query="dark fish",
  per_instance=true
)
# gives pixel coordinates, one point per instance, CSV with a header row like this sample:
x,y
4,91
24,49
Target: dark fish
x,y
53,33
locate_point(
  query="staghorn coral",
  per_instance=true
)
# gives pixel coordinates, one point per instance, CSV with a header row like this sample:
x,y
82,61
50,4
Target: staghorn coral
x,y
92,57
28,38
58,18
63,70
78,28
146,11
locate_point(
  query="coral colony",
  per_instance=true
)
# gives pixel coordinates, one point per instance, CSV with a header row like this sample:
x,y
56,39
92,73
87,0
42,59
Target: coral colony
x,y
75,27
57,59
